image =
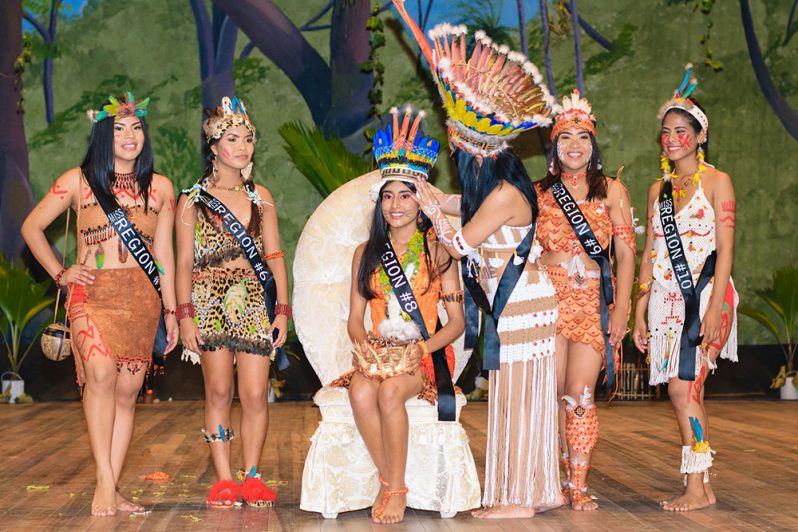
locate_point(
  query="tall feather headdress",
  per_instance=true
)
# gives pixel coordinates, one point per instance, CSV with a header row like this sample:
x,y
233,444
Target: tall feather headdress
x,y
491,96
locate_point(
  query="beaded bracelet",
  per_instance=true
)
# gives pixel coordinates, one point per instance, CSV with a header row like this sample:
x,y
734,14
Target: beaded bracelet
x,y
169,311
185,310
58,276
276,255
284,309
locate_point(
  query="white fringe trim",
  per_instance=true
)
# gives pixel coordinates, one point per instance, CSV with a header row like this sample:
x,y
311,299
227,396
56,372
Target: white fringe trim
x,y
693,462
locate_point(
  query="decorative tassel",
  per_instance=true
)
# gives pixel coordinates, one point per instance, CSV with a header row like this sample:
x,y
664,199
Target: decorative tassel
x,y
99,256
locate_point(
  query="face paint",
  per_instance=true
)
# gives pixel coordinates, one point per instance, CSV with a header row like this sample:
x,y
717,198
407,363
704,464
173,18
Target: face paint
x,y
663,140
685,142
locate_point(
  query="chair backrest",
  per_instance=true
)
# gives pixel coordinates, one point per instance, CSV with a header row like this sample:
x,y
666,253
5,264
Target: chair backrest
x,y
322,278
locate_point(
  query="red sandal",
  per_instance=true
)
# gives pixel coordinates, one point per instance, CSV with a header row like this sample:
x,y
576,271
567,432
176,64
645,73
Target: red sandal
x,y
223,494
256,494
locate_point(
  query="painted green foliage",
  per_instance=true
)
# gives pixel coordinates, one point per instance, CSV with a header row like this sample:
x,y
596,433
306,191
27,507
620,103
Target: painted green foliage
x,y
157,56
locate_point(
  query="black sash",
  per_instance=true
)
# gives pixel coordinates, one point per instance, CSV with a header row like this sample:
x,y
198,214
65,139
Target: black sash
x,y
447,405
512,272
691,294
592,247
247,243
135,245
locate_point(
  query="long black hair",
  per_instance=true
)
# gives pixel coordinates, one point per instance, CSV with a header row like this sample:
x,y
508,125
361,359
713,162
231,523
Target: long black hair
x,y
695,124
478,180
98,163
210,157
375,246
596,180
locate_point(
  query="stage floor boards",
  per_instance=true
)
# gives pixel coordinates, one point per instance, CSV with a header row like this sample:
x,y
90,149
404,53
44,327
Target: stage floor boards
x,y
636,465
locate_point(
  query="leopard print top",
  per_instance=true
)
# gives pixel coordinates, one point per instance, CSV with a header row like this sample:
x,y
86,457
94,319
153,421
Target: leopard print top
x,y
213,244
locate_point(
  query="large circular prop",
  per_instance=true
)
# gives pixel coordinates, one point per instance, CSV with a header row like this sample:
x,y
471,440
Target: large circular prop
x,y
323,274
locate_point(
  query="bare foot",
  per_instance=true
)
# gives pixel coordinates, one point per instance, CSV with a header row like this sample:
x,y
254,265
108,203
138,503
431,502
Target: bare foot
x,y
691,499
375,518
583,503
504,512
710,493
394,511
104,502
560,501
124,505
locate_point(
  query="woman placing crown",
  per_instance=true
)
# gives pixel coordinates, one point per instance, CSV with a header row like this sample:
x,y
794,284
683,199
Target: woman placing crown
x,y
113,303
401,273
686,283
490,98
582,213
228,256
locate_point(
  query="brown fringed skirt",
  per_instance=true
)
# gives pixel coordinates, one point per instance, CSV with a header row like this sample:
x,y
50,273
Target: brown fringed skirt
x,y
116,316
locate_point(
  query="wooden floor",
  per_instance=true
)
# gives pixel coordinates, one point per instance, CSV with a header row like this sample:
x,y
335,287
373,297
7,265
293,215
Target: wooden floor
x,y
46,472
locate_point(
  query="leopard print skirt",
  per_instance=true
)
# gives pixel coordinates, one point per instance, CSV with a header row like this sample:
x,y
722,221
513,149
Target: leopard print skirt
x,y
230,311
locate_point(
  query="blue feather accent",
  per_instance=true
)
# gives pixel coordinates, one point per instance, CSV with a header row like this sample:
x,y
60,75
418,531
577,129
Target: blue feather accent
x,y
697,431
221,432
689,90
686,79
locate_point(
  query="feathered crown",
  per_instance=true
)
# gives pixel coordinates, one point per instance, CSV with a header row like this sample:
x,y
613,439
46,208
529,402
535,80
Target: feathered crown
x,y
403,152
117,109
681,99
231,113
491,97
576,112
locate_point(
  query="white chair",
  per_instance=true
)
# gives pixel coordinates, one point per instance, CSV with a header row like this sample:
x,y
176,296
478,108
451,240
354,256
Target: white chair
x,y
339,475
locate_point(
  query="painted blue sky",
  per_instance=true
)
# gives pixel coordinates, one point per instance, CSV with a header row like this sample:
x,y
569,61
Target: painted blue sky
x,y
442,10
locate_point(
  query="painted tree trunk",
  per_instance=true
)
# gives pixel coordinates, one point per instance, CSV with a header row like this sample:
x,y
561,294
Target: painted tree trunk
x,y
522,27
337,95
16,199
580,83
216,42
544,21
349,48
786,114
281,41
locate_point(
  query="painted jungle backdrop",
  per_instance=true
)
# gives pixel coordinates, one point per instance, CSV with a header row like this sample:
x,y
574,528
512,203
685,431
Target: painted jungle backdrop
x,y
318,75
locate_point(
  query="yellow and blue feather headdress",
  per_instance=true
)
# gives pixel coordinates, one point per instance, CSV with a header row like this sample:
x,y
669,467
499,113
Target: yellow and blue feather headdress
x,y
490,97
403,152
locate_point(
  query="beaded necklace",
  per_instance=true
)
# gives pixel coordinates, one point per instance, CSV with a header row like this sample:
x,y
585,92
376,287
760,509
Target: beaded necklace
x,y
415,249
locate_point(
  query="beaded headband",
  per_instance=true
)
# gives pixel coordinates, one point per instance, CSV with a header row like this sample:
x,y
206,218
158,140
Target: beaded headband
x,y
682,101
231,113
119,110
576,112
491,96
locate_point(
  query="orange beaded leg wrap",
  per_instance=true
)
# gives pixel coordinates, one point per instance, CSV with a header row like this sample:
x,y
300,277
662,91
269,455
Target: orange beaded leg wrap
x,y
581,428
578,482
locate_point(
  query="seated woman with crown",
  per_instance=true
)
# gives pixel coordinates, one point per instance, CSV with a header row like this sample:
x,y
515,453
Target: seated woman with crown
x,y
489,99
400,261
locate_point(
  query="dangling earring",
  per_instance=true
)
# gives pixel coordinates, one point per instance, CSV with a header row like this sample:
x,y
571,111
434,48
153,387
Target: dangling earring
x,y
419,219
246,171
551,167
215,171
700,154
599,166
665,166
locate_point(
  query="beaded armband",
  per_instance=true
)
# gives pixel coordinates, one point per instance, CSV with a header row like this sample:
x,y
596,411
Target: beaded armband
x,y
276,255
284,309
452,297
627,234
185,310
